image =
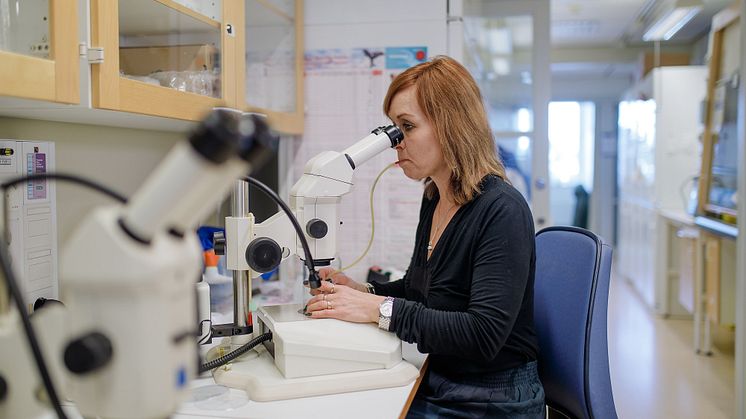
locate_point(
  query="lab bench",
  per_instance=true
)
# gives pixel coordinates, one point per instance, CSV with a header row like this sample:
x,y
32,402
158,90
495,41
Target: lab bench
x,y
380,403
697,271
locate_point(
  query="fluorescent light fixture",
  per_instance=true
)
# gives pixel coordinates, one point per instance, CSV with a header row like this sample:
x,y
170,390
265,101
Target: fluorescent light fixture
x,y
667,26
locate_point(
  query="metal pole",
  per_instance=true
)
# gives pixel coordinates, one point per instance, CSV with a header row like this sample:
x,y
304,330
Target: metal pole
x,y
241,279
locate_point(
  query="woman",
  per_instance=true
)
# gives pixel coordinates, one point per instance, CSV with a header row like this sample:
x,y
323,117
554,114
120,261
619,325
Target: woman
x,y
467,297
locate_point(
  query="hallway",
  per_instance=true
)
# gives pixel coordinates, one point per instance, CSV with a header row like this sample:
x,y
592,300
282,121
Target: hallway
x,y
654,370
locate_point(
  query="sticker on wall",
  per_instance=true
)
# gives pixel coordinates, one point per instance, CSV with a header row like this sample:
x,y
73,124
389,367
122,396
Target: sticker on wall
x,y
400,58
36,163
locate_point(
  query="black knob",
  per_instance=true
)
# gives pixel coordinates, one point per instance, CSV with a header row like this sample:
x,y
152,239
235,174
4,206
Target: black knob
x,y
217,138
88,353
317,228
218,243
263,254
3,389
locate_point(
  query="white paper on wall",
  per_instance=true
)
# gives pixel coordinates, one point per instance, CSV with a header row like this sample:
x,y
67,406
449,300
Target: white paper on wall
x,y
345,89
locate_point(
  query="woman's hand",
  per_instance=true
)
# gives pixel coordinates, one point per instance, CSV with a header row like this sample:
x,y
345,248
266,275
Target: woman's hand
x,y
338,279
342,302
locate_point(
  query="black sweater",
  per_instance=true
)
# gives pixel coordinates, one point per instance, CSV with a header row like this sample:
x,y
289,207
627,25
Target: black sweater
x,y
470,306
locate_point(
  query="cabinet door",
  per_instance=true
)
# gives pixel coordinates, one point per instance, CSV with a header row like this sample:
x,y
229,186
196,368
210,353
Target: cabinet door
x,y
272,62
39,50
164,57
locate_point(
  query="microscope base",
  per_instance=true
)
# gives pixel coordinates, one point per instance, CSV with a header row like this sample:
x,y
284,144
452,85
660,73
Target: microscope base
x,y
264,382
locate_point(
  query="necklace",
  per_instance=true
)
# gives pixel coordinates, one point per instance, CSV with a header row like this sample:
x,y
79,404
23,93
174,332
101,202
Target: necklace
x,y
437,228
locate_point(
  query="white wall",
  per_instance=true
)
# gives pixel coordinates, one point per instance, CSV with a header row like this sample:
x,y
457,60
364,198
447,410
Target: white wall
x,y
120,158
343,24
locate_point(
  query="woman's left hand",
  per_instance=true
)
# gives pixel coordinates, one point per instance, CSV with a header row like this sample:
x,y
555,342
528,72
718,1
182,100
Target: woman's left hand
x,y
344,303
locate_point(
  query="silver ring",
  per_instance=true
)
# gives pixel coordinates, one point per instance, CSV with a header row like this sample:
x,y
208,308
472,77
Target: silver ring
x,y
324,297
328,305
332,287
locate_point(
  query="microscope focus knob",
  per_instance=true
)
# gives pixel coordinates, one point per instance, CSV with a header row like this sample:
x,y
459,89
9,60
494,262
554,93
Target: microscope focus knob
x,y
263,254
218,243
317,228
88,353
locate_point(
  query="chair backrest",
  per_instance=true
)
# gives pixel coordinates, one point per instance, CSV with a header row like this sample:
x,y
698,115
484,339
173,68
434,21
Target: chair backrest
x,y
573,268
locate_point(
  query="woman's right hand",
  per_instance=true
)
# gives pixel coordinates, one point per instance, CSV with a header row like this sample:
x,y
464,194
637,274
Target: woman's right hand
x,y
338,278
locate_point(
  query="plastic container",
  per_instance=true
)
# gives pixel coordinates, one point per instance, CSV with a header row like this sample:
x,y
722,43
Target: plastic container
x,y
221,286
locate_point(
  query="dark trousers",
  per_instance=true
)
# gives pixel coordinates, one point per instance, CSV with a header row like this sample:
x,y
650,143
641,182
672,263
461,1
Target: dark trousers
x,y
515,393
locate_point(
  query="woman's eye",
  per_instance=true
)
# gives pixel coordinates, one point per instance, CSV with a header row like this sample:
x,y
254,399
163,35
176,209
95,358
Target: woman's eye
x,y
407,127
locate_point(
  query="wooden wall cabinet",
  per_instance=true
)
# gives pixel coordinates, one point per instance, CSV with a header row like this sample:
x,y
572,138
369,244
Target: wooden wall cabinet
x,y
130,29
170,59
199,61
39,52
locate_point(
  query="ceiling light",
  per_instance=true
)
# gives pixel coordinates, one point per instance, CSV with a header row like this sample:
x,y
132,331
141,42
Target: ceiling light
x,y
670,23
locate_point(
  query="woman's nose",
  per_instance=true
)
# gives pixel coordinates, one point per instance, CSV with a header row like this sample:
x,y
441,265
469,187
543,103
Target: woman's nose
x,y
401,145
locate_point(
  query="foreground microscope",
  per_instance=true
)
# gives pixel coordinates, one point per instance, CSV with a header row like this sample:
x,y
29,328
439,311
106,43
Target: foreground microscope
x,y
124,344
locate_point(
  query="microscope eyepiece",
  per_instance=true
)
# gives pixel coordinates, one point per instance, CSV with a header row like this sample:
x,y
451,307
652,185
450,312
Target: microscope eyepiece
x,y
393,132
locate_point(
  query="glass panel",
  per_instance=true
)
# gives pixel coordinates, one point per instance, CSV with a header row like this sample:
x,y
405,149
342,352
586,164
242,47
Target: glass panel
x,y
515,153
24,27
498,55
571,145
636,167
723,188
270,54
162,46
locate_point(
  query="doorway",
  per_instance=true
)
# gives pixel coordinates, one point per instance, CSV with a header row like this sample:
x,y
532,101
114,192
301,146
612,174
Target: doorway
x,y
572,128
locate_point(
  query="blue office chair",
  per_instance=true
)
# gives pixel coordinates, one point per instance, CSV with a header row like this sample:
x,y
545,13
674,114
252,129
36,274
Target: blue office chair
x,y
573,268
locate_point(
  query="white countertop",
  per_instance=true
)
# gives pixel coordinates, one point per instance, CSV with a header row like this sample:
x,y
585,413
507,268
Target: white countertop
x,y
374,404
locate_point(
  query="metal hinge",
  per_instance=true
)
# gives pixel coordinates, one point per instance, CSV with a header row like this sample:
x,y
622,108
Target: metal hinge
x,y
95,55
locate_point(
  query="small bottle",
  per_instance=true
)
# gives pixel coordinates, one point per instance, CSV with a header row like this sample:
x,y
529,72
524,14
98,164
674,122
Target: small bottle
x,y
221,288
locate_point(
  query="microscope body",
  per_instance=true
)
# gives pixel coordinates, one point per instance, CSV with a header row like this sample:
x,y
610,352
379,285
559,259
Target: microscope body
x,y
142,299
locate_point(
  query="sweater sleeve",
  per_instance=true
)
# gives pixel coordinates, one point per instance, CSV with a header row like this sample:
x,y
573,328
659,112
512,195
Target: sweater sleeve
x,y
501,266
390,289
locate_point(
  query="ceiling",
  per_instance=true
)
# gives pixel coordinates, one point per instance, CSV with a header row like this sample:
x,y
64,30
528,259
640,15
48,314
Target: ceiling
x,y
600,39
620,22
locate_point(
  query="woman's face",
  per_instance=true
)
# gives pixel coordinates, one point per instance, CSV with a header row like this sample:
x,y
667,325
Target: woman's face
x,y
419,153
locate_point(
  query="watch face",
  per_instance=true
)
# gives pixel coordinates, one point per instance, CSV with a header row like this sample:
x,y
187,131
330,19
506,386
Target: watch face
x,y
386,308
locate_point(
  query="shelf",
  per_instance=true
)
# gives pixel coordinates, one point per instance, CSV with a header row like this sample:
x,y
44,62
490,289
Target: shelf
x,y
48,111
717,227
161,17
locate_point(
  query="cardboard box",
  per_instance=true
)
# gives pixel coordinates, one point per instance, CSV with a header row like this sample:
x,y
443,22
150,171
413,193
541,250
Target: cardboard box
x,y
141,61
647,61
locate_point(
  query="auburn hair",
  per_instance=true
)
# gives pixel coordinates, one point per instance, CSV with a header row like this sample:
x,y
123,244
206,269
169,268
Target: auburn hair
x,y
450,99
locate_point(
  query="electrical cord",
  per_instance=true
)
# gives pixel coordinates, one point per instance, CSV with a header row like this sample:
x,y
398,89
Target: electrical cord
x,y
219,362
372,223
15,290
68,178
313,277
208,336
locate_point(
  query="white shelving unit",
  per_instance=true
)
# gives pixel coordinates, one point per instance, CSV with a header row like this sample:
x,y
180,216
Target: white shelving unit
x,y
659,128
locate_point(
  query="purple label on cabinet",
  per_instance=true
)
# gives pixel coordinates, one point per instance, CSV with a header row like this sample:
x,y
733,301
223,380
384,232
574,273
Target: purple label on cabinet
x,y
36,163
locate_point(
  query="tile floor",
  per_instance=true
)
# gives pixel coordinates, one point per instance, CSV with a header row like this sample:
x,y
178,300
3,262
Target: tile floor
x,y
654,370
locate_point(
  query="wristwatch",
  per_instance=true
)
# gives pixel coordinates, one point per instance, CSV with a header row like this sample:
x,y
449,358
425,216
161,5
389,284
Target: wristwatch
x,y
384,313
